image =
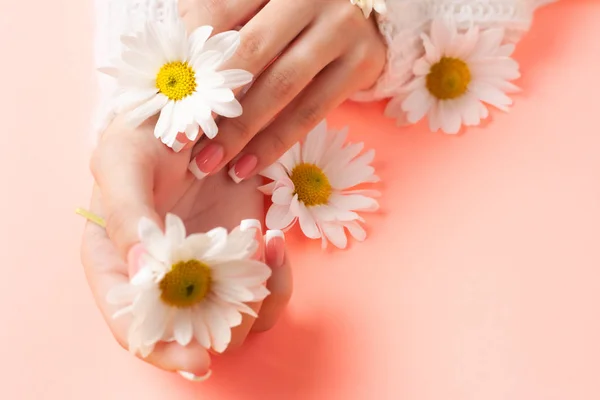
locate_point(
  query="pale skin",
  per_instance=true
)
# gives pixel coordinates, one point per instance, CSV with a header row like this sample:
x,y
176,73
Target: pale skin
x,y
308,57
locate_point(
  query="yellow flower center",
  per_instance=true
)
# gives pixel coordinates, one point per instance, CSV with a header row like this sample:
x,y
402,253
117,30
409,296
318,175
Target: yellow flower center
x,y
176,80
448,79
186,284
311,184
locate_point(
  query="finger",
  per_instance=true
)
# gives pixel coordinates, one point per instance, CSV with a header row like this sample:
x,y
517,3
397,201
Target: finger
x,y
105,269
222,15
124,170
240,332
328,90
269,32
276,87
279,284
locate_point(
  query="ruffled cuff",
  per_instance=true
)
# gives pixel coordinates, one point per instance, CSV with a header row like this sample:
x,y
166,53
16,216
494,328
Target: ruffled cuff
x,y
406,20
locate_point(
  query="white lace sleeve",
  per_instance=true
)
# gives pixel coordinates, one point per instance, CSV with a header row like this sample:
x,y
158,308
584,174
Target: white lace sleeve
x,y
115,18
405,20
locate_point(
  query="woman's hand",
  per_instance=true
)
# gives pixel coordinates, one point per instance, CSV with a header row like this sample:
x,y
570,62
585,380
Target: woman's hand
x,y
138,176
308,57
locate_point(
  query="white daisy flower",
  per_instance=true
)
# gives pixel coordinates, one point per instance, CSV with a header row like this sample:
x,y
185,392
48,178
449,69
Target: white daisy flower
x,y
163,70
457,75
190,287
367,6
312,184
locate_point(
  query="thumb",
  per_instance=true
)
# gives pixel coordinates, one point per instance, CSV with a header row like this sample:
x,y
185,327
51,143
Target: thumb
x,y
125,177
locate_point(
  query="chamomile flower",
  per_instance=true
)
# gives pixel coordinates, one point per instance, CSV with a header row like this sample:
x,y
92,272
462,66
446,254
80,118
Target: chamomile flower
x,y
367,6
458,75
312,184
162,70
192,287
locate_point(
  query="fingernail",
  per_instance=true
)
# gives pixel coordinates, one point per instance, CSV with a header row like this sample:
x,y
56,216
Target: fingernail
x,y
251,224
177,146
275,248
243,168
133,259
191,377
207,160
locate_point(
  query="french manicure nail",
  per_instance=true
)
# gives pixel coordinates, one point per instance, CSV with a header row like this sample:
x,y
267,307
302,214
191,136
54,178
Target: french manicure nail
x,y
243,168
207,160
251,224
177,146
275,243
191,377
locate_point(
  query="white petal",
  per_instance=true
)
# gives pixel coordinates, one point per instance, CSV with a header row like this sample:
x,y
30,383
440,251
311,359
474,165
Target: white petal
x,y
220,333
155,324
291,158
274,172
192,131
206,61
231,109
442,33
356,230
219,95
353,202
283,196
153,239
229,312
235,78
144,276
465,44
432,53
307,222
209,127
218,238
145,110
123,293
164,121
182,326
198,38
434,117
174,229
417,104
279,217
314,144
335,234
241,272
201,332
449,117
225,42
489,41
491,95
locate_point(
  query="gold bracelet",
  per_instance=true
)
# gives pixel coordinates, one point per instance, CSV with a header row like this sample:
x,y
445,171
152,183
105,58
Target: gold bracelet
x,y
90,216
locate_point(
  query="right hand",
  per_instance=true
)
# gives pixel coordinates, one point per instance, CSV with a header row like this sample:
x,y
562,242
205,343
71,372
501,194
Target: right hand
x,y
137,176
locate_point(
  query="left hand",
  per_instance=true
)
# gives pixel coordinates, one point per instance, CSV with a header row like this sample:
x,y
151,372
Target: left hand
x,y
307,56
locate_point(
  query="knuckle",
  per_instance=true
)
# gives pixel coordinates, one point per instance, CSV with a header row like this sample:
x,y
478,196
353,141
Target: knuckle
x,y
310,115
279,145
251,45
282,82
240,129
213,6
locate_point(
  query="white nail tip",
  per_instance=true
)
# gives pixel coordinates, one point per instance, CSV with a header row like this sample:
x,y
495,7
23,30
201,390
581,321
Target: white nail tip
x,y
193,168
250,224
177,146
233,176
272,234
193,378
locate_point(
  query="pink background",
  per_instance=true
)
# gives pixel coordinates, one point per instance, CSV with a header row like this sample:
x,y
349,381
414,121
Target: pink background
x,y
480,279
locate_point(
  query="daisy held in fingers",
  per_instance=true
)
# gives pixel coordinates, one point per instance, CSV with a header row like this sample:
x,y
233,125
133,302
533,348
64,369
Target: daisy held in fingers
x,y
458,75
190,288
312,184
162,70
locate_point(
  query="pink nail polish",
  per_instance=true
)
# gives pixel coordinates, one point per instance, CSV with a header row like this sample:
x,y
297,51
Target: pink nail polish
x,y
275,248
243,168
207,160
